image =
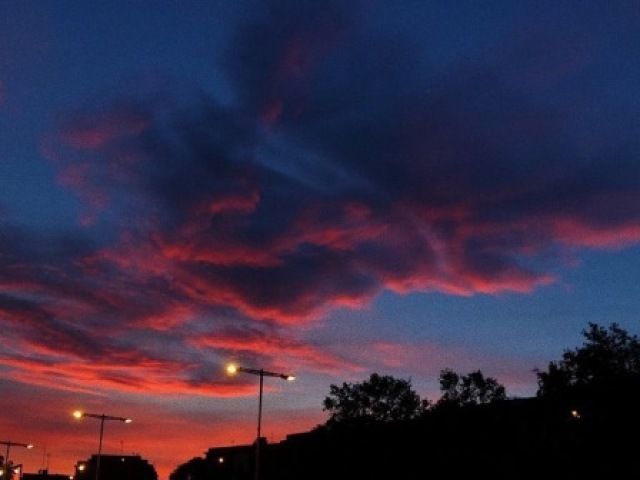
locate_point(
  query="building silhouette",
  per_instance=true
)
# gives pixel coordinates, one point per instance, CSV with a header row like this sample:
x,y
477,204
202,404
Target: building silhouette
x,y
44,475
116,467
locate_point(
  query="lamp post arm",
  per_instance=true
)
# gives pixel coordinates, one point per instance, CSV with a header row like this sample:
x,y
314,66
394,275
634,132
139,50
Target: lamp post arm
x,y
10,444
15,444
264,373
106,417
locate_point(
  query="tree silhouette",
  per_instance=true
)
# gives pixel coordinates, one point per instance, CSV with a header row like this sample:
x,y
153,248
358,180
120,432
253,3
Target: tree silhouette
x,y
608,361
194,469
471,389
598,384
382,398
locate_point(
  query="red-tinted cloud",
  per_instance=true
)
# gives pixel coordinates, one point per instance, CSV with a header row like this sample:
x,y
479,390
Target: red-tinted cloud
x,y
304,356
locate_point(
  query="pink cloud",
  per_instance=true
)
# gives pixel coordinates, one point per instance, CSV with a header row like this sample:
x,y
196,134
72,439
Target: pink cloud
x,y
94,132
132,375
299,353
579,234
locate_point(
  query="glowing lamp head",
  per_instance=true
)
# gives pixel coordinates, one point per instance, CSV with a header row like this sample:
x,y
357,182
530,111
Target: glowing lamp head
x,y
232,369
30,446
78,414
290,378
127,420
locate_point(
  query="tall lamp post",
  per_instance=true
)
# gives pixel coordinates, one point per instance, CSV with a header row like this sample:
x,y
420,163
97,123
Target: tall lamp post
x,y
13,444
102,417
234,369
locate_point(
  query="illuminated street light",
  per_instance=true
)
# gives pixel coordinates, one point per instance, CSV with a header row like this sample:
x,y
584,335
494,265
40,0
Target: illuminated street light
x,y
17,470
233,369
102,417
13,444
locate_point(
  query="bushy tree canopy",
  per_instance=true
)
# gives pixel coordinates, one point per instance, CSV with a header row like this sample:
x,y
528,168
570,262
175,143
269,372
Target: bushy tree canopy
x,y
382,398
610,358
471,389
194,469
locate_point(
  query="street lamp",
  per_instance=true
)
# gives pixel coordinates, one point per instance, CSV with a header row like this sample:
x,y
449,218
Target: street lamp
x,y
234,369
102,417
13,444
17,470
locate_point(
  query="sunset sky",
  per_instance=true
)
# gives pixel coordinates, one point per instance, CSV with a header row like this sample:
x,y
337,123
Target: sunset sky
x,y
323,188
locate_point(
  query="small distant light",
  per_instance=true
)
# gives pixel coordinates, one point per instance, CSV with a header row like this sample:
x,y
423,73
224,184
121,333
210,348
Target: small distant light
x,y
81,467
30,446
220,460
127,420
575,414
291,378
77,414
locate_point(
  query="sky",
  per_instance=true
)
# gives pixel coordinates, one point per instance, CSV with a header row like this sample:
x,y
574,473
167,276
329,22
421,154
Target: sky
x,y
325,188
